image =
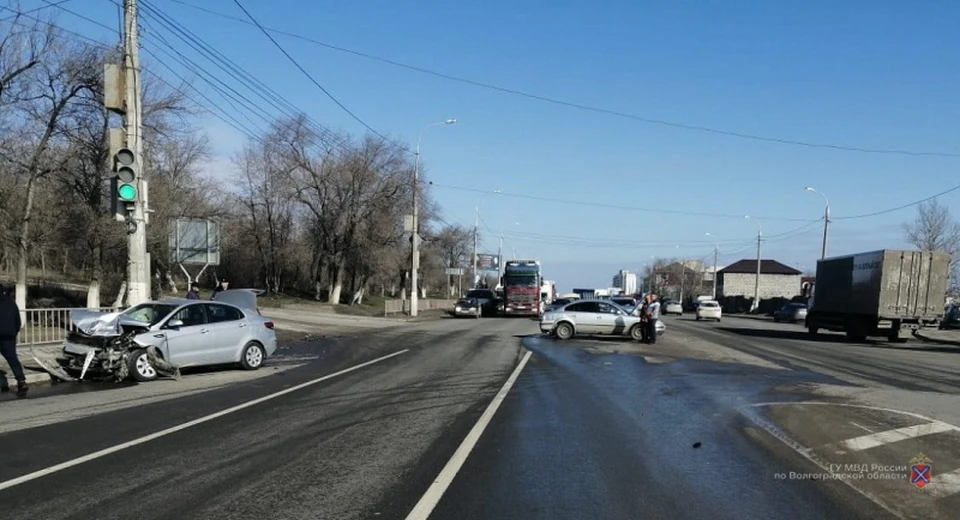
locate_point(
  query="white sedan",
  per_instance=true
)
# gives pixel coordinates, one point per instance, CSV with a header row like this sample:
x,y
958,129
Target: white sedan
x,y
593,317
709,310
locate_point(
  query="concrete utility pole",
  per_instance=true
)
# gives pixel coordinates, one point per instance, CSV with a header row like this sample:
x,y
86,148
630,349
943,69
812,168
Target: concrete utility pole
x,y
826,220
476,244
415,239
500,259
716,253
756,286
138,286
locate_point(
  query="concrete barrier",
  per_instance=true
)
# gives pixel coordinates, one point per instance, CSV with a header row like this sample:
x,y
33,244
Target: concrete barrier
x,y
403,306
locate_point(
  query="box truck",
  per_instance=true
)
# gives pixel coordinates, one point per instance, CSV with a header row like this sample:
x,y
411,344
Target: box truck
x,y
888,293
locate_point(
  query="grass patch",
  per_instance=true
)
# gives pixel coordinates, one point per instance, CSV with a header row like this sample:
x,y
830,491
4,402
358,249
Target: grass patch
x,y
371,306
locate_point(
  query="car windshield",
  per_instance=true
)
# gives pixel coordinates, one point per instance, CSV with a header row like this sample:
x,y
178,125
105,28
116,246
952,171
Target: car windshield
x,y
709,304
521,280
150,313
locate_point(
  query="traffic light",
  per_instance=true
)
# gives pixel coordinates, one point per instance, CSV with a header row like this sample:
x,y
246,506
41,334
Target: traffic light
x,y
125,167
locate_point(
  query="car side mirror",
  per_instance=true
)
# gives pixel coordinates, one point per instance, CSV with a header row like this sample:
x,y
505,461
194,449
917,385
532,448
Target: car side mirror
x,y
174,324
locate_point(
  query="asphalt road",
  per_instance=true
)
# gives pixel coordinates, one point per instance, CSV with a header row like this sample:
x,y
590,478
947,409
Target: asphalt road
x,y
739,419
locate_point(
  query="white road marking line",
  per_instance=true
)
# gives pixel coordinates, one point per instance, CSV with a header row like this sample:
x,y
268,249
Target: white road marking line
x,y
147,438
810,455
944,484
874,440
431,498
862,427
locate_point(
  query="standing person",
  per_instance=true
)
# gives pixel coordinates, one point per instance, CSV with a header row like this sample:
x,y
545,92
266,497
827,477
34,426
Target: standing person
x,y
9,328
653,314
224,285
194,292
644,330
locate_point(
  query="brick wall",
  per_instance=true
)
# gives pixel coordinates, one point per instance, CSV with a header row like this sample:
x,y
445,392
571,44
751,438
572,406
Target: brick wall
x,y
771,285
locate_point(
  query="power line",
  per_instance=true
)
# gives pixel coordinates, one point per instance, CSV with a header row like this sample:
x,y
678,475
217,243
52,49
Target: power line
x,y
236,72
35,9
613,206
898,208
229,120
555,101
308,75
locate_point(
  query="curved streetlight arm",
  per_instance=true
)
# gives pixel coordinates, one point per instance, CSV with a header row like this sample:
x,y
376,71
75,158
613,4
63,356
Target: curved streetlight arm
x,y
825,199
826,220
759,228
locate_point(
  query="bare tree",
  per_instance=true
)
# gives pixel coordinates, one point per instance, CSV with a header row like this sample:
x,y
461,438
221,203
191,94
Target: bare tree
x,y
934,229
455,246
65,75
263,181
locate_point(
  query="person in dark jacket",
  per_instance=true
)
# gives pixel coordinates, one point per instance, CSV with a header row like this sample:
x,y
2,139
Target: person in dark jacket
x,y
9,328
194,292
224,285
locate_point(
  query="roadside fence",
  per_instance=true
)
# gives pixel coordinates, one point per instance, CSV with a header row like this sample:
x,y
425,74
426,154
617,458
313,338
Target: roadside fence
x,y
403,306
44,326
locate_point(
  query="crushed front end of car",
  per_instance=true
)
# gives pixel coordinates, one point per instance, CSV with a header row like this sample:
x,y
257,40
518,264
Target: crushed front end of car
x,y
102,347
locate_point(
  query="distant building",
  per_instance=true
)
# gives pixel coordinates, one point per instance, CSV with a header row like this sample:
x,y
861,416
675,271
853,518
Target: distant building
x,y
777,280
625,281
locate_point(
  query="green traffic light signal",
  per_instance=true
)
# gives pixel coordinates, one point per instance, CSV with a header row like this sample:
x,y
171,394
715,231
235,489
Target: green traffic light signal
x,y
127,192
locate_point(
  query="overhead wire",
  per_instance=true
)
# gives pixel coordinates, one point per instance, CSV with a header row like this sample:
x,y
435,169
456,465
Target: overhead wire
x,y
580,106
898,208
242,76
311,78
621,207
34,10
92,42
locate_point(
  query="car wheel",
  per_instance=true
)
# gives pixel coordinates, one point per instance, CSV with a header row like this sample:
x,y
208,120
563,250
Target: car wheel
x,y
138,364
636,332
253,356
698,318
564,331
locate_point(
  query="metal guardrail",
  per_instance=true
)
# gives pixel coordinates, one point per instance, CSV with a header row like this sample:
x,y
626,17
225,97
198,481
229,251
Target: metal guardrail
x,y
403,306
42,326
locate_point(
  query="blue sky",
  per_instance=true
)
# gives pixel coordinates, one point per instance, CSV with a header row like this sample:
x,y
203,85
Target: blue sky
x,y
879,75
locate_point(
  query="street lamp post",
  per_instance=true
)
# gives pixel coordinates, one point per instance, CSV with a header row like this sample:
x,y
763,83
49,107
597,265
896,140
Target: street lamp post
x,y
716,252
476,238
415,239
756,286
826,220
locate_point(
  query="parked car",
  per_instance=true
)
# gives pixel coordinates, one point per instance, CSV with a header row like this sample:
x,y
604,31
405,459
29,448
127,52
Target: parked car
x,y
709,310
176,333
593,317
791,313
672,307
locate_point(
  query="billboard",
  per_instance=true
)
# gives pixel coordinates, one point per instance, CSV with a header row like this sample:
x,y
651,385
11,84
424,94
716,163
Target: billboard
x,y
195,241
487,262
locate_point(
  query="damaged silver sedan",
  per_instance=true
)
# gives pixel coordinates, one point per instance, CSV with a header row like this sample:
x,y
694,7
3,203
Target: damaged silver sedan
x,y
156,339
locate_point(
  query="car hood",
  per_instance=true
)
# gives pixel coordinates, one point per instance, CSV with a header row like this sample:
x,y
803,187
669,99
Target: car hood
x,y
243,298
93,323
